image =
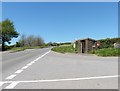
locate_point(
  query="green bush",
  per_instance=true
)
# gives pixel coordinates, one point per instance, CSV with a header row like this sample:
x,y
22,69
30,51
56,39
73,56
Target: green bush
x,y
8,47
108,42
92,52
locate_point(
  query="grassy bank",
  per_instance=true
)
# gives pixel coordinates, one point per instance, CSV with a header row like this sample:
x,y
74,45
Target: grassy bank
x,y
64,49
107,52
16,49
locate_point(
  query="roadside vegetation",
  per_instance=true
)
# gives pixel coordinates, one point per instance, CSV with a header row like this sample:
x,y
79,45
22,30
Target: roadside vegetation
x,y
26,42
64,49
108,42
17,47
30,41
106,52
107,47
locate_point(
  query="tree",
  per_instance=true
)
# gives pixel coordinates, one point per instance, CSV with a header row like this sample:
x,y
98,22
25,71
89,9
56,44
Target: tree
x,y
23,40
8,32
38,41
31,40
49,44
17,44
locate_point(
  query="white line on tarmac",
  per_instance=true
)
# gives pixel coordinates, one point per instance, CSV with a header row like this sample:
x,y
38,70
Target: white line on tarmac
x,y
25,67
29,64
12,85
1,83
72,79
32,62
41,56
11,76
18,71
37,59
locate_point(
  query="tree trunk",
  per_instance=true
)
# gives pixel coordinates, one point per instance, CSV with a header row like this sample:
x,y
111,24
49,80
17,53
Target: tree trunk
x,y
3,44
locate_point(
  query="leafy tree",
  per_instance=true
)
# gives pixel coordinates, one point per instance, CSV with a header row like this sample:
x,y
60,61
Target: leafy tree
x,y
23,40
30,41
108,42
8,32
49,44
17,44
38,41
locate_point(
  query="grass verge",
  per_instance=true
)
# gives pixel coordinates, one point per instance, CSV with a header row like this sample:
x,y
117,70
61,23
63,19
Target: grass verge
x,y
64,49
106,52
17,49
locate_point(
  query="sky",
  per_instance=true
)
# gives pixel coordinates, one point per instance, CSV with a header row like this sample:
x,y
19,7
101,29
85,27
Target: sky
x,y
60,0
63,21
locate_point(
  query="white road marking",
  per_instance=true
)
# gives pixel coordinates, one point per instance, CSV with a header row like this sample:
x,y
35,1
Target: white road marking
x,y
72,79
38,58
42,56
1,83
18,71
11,76
12,85
25,67
29,64
32,62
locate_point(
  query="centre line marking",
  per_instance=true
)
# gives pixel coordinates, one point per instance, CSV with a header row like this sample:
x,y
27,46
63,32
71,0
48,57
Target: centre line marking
x,y
24,67
18,71
12,85
11,76
29,64
32,62
37,59
1,83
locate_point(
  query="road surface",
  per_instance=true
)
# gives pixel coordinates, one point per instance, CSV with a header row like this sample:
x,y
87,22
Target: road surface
x,y
45,69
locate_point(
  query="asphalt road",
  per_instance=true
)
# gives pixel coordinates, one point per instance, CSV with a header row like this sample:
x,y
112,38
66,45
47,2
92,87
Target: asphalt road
x,y
45,69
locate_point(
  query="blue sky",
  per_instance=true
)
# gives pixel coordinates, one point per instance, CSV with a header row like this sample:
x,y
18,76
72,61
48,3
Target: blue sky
x,y
63,22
